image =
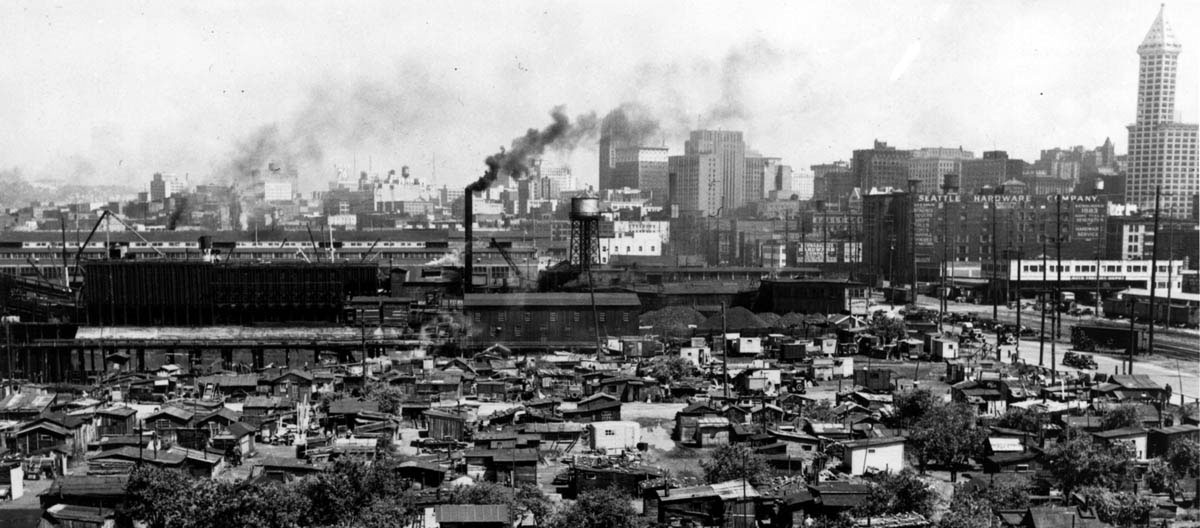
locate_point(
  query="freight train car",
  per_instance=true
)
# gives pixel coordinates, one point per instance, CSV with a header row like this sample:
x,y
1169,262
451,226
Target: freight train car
x,y
1183,310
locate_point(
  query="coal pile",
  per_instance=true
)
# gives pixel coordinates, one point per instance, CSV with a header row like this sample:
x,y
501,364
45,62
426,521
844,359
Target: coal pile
x,y
736,319
791,319
771,319
672,321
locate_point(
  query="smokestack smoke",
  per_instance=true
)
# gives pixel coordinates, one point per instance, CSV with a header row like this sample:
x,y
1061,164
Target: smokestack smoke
x,y
560,134
630,124
181,205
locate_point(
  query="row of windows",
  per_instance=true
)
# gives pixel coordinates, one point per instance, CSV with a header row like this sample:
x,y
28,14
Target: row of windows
x,y
555,317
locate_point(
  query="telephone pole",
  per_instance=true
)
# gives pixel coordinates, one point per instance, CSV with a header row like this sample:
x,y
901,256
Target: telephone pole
x,y
1154,271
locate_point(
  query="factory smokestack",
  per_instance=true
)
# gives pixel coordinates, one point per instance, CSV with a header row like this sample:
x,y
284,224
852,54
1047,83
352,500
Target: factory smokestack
x,y
515,161
469,238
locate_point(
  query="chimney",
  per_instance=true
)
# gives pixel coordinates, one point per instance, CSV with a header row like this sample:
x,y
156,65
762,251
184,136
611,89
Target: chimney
x,y
469,238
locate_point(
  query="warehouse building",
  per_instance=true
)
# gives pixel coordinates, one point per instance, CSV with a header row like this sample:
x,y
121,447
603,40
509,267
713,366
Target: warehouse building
x,y
549,319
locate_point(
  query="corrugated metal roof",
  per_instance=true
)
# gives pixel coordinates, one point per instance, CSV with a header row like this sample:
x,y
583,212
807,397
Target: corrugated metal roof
x,y
472,513
1005,445
1120,433
734,489
27,401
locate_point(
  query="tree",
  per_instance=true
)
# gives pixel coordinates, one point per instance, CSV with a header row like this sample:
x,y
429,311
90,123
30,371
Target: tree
x,y
969,512
1159,476
1184,458
1119,508
842,520
1119,417
975,503
734,462
350,486
913,405
388,396
820,411
168,498
947,435
1022,420
530,499
668,369
600,508
526,499
902,492
161,498
888,328
1079,462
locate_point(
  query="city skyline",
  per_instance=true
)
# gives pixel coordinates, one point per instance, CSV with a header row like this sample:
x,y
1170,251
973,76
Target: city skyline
x,y
160,94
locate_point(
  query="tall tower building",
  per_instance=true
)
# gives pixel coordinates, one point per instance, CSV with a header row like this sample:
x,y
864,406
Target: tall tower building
x,y
1162,151
729,151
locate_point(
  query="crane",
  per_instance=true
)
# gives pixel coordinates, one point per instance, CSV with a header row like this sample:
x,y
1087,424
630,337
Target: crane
x,y
508,259
106,214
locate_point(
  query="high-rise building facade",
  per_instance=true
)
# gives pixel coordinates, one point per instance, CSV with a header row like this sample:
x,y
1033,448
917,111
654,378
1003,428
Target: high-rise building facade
x,y
642,168
1162,151
728,150
761,175
992,170
165,186
695,184
881,167
929,165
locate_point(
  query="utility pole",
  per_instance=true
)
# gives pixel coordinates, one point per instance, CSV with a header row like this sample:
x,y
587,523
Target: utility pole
x,y
1170,274
1132,335
1153,271
724,351
995,262
945,266
1042,301
1057,286
912,233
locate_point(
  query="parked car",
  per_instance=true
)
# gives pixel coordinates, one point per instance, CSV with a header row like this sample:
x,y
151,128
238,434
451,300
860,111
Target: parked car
x,y
1080,361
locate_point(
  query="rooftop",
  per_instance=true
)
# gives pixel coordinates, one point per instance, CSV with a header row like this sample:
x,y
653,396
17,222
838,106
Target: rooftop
x,y
472,513
548,299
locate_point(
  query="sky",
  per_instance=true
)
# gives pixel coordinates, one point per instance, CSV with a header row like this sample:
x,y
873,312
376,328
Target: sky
x,y
111,92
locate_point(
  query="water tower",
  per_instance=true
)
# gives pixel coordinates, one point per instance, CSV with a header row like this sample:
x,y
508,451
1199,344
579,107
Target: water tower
x,y
585,231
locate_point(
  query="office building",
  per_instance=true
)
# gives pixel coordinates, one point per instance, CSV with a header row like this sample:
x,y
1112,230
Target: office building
x,y
1162,151
930,164
992,170
642,168
881,167
709,178
761,175
163,187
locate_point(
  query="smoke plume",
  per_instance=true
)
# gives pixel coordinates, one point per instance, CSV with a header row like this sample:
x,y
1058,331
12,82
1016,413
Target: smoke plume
x,y
181,207
630,124
560,134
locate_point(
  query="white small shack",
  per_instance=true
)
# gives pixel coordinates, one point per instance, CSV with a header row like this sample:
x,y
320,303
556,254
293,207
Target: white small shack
x,y
874,454
944,349
614,437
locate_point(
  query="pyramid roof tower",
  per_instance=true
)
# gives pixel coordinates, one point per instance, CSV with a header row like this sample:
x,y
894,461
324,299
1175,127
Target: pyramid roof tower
x,y
1160,38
